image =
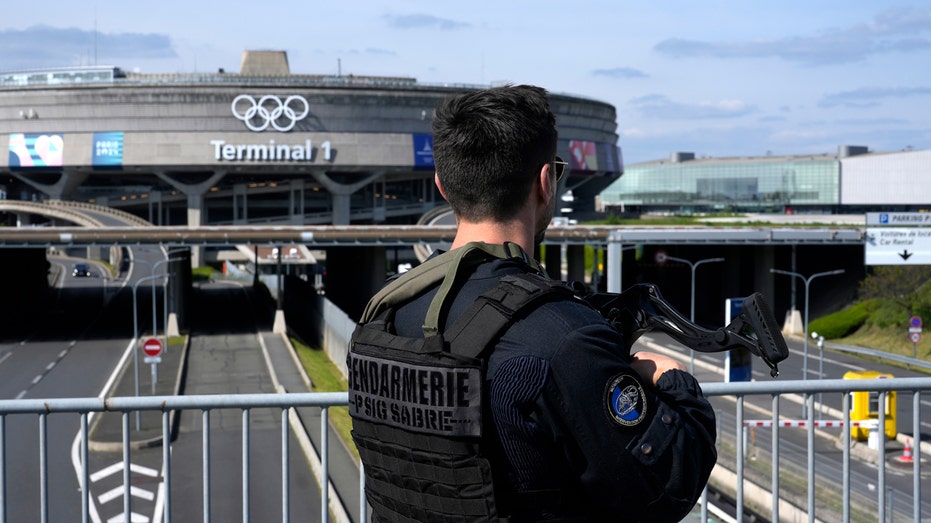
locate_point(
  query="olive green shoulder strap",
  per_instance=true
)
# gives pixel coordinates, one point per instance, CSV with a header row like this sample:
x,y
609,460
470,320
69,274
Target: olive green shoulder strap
x,y
447,268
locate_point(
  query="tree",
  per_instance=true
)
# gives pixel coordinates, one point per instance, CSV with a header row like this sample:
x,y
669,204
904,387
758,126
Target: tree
x,y
898,285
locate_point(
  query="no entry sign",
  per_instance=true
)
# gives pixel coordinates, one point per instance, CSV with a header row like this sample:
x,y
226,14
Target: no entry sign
x,y
152,347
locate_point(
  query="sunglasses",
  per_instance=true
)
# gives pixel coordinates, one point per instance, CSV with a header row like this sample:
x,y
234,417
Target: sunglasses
x,y
559,167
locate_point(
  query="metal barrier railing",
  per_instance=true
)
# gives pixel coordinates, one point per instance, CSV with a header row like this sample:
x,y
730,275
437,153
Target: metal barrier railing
x,y
777,390
87,408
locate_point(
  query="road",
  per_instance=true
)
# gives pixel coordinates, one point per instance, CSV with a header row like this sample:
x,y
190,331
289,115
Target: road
x,y
793,441
72,350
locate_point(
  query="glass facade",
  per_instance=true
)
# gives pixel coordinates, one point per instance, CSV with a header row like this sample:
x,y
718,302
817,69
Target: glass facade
x,y
754,184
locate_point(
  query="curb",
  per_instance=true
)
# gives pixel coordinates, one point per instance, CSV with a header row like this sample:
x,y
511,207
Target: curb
x,y
117,446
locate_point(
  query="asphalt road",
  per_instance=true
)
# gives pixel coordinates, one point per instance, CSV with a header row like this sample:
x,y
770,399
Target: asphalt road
x,y
793,441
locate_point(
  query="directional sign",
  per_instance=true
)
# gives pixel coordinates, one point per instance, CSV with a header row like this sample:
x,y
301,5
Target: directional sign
x,y
898,246
912,219
152,347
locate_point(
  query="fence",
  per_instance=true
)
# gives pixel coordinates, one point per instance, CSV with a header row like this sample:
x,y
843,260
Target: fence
x,y
740,393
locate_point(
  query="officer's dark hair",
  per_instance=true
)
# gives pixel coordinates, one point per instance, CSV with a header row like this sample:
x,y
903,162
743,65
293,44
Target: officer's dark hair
x,y
488,147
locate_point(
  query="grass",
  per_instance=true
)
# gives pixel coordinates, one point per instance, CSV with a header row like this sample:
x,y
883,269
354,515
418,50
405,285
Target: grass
x,y
326,377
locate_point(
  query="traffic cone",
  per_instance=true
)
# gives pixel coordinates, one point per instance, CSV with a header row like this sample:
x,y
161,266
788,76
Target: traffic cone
x,y
907,453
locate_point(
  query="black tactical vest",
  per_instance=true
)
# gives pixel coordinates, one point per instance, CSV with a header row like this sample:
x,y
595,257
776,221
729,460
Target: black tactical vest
x,y
417,403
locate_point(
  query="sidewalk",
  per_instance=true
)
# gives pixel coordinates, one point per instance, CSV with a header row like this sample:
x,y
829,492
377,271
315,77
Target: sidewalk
x,y
106,429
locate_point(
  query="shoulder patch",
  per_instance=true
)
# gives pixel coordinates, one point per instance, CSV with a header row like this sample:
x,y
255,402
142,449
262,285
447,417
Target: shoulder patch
x,y
625,400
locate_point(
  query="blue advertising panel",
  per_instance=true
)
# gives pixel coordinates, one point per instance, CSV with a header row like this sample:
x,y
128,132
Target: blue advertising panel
x,y
423,150
738,366
36,150
108,149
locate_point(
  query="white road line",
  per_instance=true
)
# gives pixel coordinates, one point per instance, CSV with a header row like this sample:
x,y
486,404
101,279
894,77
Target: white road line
x,y
117,492
37,379
106,471
133,518
62,353
76,444
110,495
21,395
5,356
49,366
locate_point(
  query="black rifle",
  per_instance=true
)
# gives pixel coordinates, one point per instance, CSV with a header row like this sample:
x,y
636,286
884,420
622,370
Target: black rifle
x,y
641,309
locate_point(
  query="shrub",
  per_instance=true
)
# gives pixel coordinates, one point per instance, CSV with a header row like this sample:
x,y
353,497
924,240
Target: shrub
x,y
843,322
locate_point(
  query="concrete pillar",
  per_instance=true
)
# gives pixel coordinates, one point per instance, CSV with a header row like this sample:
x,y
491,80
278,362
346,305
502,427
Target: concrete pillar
x,y
65,184
155,207
340,194
240,204
195,206
195,200
296,200
342,208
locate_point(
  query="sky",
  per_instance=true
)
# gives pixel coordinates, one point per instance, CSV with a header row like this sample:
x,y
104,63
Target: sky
x,y
715,78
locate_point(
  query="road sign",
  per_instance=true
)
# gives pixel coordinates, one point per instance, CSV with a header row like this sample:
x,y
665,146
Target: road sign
x,y
660,257
912,219
915,322
152,347
898,246
915,337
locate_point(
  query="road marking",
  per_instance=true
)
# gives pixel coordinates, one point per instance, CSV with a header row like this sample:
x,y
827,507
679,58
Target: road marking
x,y
118,466
21,395
37,379
62,353
5,356
117,492
133,518
49,366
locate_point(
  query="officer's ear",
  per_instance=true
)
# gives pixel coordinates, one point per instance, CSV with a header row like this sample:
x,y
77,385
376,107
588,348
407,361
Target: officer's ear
x,y
547,185
436,180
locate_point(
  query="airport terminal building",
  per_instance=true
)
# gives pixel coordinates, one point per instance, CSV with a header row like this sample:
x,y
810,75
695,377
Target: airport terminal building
x,y
852,181
261,146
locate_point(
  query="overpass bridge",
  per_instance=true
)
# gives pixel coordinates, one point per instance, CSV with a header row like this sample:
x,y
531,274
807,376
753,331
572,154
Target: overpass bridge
x,y
358,256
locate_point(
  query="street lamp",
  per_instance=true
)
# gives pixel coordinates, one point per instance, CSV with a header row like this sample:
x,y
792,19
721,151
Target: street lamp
x,y
692,265
136,336
807,283
820,339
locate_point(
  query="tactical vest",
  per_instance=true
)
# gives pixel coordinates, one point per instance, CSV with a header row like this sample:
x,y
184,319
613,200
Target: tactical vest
x,y
417,403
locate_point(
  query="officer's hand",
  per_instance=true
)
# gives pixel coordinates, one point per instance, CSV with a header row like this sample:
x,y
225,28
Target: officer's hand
x,y
650,366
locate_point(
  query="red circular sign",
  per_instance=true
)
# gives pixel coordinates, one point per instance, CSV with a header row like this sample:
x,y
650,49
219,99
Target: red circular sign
x,y
915,337
152,347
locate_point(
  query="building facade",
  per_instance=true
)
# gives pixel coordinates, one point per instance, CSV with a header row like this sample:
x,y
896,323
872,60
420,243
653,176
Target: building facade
x,y
853,180
259,146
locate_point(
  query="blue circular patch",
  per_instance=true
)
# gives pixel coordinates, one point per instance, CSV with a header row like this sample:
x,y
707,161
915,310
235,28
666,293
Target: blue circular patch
x,y
626,402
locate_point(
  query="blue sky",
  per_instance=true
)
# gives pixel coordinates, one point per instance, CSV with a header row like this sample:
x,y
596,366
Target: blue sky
x,y
715,78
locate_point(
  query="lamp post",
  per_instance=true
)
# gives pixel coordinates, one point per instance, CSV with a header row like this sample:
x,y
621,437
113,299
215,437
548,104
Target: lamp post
x,y
164,299
136,336
692,265
807,284
820,339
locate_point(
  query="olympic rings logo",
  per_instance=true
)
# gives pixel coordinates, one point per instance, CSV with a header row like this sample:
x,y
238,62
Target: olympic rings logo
x,y
270,110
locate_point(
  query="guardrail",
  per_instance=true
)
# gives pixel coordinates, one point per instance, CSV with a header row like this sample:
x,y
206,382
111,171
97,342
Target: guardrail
x,y
87,408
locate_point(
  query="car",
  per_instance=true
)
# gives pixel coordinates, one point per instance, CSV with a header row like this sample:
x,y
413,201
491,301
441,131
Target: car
x,y
80,270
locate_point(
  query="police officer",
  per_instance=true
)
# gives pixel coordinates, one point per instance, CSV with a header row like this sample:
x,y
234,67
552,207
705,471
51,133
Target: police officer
x,y
580,429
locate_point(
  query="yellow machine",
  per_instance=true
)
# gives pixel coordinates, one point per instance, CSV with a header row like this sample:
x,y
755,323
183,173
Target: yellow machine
x,y
864,406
